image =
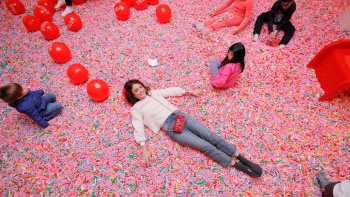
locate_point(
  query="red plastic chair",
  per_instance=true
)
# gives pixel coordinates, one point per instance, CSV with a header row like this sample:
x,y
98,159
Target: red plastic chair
x,y
332,68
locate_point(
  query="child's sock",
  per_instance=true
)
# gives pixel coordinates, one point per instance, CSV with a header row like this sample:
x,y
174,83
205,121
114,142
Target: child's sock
x,y
323,180
256,36
282,46
241,167
250,164
68,10
59,4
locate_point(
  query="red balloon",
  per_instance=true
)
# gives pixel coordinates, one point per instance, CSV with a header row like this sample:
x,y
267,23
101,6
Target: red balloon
x,y
153,2
15,6
129,2
122,11
42,13
77,73
78,2
49,30
163,13
73,22
60,52
31,23
48,5
97,90
140,4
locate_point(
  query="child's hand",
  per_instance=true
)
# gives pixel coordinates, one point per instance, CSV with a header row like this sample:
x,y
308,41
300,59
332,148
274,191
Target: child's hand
x,y
234,30
272,36
212,14
46,130
274,33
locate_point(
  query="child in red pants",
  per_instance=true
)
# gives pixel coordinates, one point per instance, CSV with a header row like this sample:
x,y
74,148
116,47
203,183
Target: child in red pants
x,y
237,16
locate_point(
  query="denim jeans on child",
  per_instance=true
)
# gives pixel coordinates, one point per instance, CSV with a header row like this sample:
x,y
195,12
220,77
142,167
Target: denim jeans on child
x,y
52,107
214,66
198,136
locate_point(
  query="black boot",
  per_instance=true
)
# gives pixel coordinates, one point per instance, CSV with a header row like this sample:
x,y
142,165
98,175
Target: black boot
x,y
240,166
255,167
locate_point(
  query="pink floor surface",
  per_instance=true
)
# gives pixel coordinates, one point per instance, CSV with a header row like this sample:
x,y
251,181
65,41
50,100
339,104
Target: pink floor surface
x,y
272,114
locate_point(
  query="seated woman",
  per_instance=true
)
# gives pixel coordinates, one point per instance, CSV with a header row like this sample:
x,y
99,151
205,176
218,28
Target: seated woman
x,y
226,72
237,16
150,108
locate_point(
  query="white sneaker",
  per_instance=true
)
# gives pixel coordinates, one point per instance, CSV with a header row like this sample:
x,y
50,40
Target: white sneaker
x,y
59,4
69,9
256,36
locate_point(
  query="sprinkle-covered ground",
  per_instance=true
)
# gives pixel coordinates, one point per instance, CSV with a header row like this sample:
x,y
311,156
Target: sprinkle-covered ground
x,y
272,114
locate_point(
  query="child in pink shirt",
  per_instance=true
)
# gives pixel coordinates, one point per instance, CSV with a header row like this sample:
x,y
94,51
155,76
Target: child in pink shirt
x,y
237,16
225,73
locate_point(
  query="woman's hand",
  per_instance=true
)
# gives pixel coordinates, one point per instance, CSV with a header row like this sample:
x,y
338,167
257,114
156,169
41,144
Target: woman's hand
x,y
195,92
146,156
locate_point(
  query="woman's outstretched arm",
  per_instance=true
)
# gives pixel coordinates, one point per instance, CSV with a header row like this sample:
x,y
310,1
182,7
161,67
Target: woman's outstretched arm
x,y
174,91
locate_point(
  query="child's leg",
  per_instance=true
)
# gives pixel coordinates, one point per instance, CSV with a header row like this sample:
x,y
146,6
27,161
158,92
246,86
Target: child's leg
x,y
69,8
59,4
209,22
52,109
215,19
214,66
262,18
50,97
69,2
289,30
233,21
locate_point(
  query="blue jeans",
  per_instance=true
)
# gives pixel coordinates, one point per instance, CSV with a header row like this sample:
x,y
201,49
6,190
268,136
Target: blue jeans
x,y
198,136
52,107
214,66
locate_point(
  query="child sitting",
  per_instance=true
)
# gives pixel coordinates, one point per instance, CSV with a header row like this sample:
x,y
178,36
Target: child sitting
x,y
38,107
238,16
280,14
225,73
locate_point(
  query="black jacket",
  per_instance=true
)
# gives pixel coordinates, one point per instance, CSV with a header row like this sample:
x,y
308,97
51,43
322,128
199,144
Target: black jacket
x,y
279,16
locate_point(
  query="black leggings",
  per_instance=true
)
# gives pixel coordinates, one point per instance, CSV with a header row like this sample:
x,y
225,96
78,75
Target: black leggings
x,y
69,2
288,28
328,190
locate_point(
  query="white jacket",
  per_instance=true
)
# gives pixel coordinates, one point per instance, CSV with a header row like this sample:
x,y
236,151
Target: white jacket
x,y
153,111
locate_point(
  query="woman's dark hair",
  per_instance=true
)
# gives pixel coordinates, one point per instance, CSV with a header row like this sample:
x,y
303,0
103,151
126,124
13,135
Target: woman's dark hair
x,y
287,0
11,92
128,90
238,51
